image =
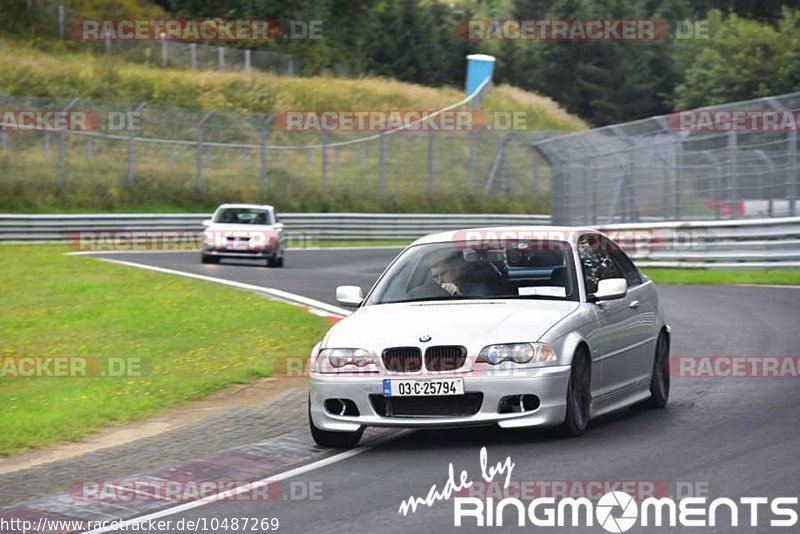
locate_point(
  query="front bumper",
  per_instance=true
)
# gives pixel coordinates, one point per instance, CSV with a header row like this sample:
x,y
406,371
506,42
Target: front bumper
x,y
253,254
547,383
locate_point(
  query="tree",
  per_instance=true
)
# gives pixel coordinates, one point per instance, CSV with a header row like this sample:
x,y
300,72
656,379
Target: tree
x,y
745,59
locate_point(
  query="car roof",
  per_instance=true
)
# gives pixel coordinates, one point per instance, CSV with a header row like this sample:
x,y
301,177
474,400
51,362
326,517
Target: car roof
x,y
490,233
256,206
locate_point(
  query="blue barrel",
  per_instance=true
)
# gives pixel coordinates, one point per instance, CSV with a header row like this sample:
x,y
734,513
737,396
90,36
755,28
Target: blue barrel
x,y
479,68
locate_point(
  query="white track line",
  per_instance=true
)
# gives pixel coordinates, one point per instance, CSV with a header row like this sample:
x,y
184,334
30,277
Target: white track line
x,y
276,293
778,286
197,250
126,525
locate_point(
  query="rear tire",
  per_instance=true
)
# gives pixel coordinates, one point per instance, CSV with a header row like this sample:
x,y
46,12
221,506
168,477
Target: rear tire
x,y
338,440
660,377
579,397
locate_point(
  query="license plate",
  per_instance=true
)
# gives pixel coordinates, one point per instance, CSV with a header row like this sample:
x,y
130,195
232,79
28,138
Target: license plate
x,y
423,387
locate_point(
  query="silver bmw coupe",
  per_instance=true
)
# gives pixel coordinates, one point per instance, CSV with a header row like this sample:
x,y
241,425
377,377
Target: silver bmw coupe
x,y
516,327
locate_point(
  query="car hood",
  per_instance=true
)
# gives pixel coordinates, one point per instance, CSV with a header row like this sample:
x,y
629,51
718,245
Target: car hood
x,y
472,324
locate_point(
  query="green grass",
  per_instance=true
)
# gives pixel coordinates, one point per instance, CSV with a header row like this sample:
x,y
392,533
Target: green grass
x,y
719,276
165,176
194,338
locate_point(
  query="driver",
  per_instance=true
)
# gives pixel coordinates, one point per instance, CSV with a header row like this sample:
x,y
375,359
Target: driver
x,y
449,272
454,276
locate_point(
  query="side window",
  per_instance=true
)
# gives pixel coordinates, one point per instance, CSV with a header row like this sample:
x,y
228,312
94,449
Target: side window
x,y
629,270
596,261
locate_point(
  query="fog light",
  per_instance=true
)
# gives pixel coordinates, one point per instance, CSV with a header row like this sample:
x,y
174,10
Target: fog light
x,y
344,407
518,404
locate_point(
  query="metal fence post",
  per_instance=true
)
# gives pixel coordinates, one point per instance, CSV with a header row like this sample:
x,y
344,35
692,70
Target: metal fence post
x,y
220,58
132,148
733,170
193,55
324,140
534,175
677,204
382,164
594,192
198,176
633,194
768,196
262,158
472,164
61,152
164,52
586,193
4,140
247,59
89,149
793,174
431,189
61,20
46,145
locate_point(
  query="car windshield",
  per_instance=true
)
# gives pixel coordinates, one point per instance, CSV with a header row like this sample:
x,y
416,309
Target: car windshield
x,y
243,216
459,270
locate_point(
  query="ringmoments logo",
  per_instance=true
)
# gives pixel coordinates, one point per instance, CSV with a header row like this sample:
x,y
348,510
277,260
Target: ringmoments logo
x,y
615,511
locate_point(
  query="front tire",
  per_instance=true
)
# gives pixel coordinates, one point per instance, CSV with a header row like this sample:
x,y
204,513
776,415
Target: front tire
x,y
276,260
205,258
337,440
579,397
660,377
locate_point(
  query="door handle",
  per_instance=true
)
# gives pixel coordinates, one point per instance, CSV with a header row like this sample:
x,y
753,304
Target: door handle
x,y
634,304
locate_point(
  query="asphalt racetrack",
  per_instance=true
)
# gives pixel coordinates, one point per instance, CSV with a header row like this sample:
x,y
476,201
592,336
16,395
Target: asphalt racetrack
x,y
730,437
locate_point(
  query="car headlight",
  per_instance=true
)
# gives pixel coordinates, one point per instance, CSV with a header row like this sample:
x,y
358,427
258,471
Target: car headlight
x,y
532,353
332,360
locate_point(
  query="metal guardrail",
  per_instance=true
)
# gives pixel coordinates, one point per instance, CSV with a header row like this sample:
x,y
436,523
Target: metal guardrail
x,y
760,243
313,226
756,243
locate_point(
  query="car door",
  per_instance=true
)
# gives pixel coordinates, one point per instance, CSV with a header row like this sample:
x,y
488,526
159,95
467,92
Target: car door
x,y
643,300
613,336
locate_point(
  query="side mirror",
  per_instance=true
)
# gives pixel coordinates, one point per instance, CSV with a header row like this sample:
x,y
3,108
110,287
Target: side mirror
x,y
278,226
349,296
610,289
207,222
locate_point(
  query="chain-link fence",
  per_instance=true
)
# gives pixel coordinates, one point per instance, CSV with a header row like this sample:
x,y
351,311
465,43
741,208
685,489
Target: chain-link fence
x,y
710,166
58,20
176,153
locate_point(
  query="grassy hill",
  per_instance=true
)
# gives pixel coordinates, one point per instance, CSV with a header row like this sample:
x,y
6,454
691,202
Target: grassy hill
x,y
164,178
